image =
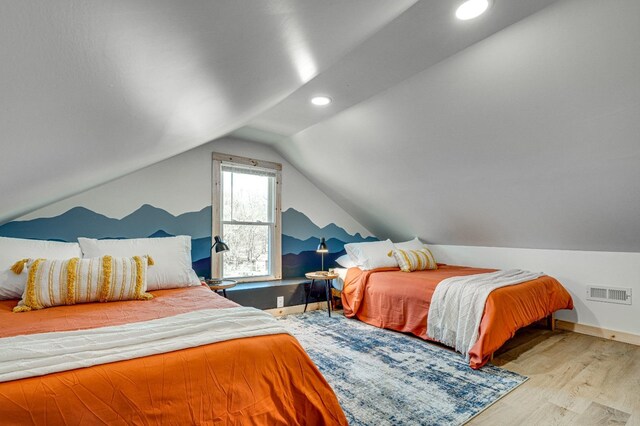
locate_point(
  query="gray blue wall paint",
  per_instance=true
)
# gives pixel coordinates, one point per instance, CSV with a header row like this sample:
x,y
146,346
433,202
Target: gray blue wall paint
x,y
298,256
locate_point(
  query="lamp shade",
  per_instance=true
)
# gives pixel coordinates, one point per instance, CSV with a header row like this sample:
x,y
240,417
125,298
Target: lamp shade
x,y
322,247
219,246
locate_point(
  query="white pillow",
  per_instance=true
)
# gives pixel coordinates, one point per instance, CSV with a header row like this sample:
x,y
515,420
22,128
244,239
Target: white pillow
x,y
346,262
171,255
14,249
372,255
414,244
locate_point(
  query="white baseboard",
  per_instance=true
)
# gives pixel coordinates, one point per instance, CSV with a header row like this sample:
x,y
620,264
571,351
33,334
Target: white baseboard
x,y
296,309
590,330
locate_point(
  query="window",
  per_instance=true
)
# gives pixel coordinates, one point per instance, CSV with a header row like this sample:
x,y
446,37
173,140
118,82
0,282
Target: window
x,y
246,214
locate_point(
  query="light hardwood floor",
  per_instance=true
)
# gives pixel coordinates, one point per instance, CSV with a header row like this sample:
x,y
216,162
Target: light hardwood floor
x,y
574,379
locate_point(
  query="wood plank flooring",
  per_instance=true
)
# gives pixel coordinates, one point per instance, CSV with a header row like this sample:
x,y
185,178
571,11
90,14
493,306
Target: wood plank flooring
x,y
574,379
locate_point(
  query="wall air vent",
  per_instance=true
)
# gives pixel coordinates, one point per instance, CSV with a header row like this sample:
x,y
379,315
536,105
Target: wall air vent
x,y
609,294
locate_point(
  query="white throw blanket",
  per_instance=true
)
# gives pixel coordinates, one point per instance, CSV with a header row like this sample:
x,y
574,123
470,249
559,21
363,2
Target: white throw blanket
x,y
38,354
458,303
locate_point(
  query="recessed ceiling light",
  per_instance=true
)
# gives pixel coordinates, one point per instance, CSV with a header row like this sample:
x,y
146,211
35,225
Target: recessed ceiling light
x,y
321,100
471,9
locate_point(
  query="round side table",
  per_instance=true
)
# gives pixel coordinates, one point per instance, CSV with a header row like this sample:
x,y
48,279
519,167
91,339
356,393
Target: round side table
x,y
217,285
327,277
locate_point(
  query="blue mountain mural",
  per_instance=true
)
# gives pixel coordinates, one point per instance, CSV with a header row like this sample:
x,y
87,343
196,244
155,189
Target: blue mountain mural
x,y
147,221
201,248
300,236
297,225
292,245
296,265
82,222
300,239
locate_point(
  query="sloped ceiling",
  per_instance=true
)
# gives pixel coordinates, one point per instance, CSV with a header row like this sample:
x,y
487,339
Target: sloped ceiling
x,y
529,138
517,129
92,89
423,35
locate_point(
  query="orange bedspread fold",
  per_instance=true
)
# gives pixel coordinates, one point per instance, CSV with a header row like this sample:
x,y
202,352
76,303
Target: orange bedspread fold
x,y
265,380
396,300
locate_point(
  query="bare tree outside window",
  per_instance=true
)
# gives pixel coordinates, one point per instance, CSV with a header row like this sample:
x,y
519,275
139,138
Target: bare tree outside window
x,y
248,209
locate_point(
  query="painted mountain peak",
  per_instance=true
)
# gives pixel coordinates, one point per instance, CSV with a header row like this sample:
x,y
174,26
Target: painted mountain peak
x,y
300,239
297,225
160,234
291,245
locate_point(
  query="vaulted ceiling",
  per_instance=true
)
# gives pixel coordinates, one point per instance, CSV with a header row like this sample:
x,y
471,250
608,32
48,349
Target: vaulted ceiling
x,y
91,89
519,128
529,138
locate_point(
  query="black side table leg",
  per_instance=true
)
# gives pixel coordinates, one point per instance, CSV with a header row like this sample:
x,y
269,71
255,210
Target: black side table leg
x,y
327,287
224,292
306,300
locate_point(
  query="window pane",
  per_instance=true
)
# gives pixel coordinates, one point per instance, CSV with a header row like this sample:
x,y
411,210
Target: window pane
x,y
226,195
248,254
245,197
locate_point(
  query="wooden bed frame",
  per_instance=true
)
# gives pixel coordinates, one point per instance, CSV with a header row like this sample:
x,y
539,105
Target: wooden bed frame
x,y
549,322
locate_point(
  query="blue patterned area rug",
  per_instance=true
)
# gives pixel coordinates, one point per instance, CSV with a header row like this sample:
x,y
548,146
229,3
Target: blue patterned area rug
x,y
382,377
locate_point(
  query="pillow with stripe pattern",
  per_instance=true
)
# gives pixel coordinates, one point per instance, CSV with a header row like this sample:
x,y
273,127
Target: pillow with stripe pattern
x,y
174,268
12,284
57,282
414,260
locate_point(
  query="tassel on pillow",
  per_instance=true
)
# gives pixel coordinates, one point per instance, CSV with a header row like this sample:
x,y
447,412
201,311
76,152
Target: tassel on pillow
x,y
18,267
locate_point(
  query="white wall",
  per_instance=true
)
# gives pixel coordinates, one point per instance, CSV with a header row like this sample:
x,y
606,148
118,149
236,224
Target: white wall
x,y
575,270
183,184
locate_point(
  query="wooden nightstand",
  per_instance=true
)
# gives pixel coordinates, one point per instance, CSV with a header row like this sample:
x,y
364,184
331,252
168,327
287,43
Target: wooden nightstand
x,y
217,285
322,276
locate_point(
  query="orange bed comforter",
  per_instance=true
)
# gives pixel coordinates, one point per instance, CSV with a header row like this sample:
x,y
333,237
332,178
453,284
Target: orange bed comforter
x,y
265,380
396,300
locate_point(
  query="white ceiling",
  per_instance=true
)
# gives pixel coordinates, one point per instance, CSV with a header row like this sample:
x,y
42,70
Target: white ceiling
x,y
425,34
528,138
519,128
91,89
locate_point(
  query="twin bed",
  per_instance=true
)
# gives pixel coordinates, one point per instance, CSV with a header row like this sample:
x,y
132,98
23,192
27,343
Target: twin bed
x,y
390,298
254,380
165,349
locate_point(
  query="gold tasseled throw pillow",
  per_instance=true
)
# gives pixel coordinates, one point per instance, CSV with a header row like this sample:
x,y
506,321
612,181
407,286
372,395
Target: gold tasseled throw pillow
x,y
414,260
56,282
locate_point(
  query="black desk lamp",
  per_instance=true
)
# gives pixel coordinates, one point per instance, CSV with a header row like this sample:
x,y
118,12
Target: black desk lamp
x,y
218,246
322,249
